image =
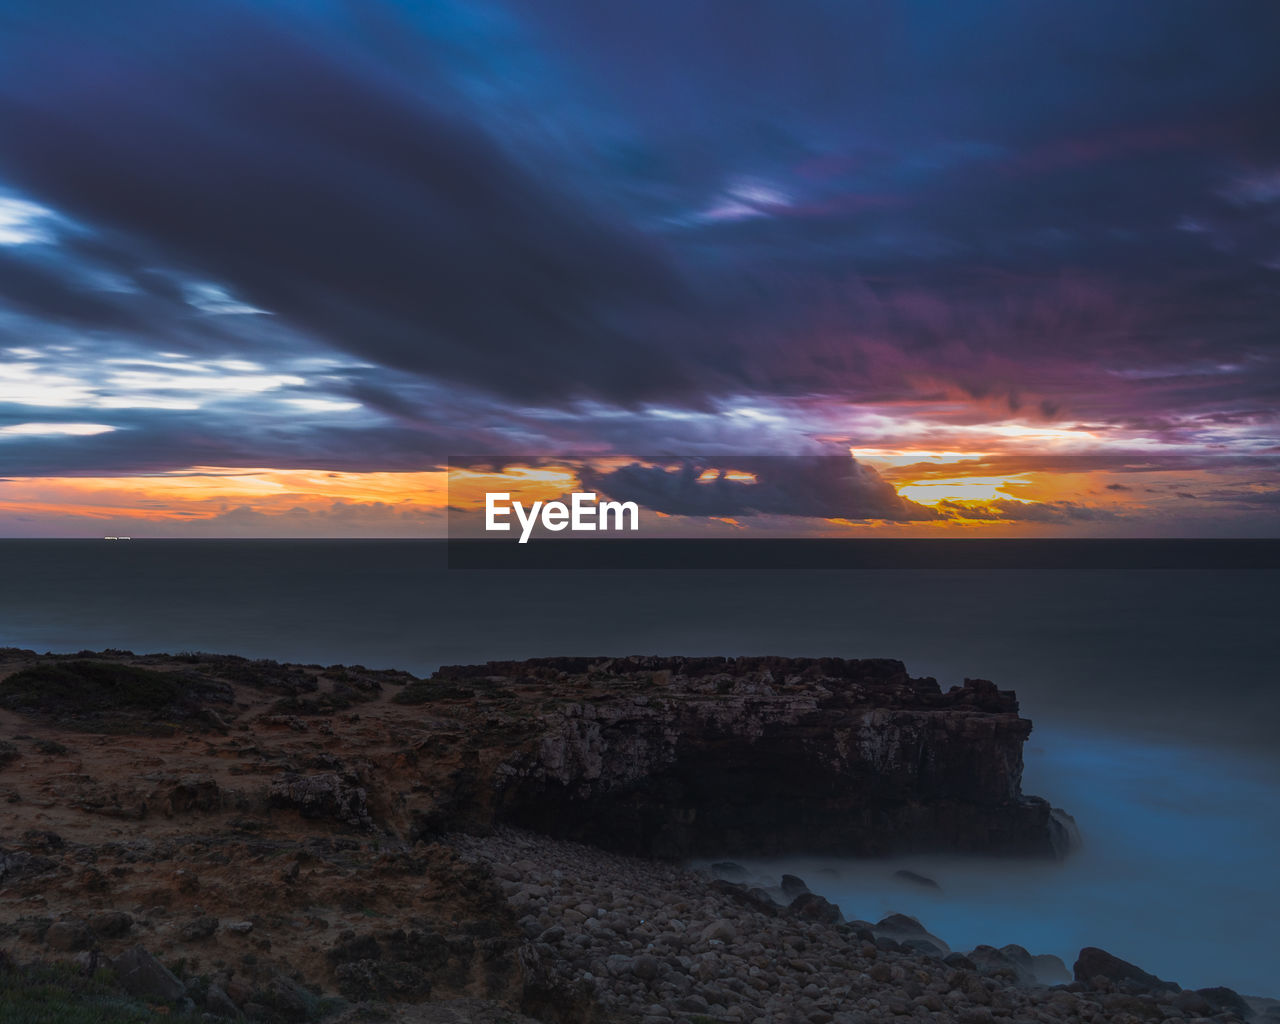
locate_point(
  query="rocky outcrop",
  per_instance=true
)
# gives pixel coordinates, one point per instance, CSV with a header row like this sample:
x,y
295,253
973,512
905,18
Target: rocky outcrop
x,y
327,795
681,757
1098,963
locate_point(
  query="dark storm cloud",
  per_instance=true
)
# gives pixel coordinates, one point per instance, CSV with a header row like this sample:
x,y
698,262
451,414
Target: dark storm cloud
x,y
338,197
154,442
525,217
820,487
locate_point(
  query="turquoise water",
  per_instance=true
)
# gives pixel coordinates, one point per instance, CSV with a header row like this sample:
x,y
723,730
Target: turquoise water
x,y
1176,872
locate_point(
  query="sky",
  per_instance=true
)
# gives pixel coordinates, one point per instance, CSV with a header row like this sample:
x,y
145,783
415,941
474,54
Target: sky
x,y
1015,267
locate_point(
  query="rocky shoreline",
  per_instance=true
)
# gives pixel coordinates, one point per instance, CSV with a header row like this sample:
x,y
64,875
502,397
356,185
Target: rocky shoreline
x,y
664,944
246,840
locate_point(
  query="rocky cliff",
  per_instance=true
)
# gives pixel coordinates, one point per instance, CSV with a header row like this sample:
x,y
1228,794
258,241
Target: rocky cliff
x,y
299,841
679,757
666,757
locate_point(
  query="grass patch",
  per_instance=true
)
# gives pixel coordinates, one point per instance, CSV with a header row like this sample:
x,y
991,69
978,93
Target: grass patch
x,y
59,994
424,691
107,696
90,686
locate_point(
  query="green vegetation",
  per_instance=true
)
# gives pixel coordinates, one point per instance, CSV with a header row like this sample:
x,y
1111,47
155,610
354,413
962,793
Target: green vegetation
x,y
61,994
424,691
88,686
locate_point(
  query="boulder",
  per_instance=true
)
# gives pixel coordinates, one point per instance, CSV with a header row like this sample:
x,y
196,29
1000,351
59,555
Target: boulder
x,y
999,963
220,1004
144,976
812,907
1225,1000
792,886
69,936
327,795
288,999
1192,1004
1098,963
189,793
111,924
902,928
722,931
199,929
754,898
16,865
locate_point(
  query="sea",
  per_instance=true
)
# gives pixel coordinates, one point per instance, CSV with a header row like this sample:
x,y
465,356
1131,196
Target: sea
x,y
1155,694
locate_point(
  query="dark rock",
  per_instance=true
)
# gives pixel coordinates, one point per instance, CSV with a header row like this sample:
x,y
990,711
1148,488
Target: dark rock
x,y
199,929
142,975
111,924
376,979
755,898
328,795
754,755
8,753
645,967
1023,963
423,948
217,1001
194,793
996,963
288,999
922,946
903,875
900,928
16,865
351,947
1098,963
792,886
69,936
901,924
959,961
1225,1000
812,907
43,839
1192,1004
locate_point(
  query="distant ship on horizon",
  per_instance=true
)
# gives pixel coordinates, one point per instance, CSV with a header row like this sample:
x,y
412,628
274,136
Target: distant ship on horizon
x,y
117,538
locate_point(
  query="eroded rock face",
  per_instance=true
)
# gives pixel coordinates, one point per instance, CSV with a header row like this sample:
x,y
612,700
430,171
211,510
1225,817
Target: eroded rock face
x,y
326,795
682,757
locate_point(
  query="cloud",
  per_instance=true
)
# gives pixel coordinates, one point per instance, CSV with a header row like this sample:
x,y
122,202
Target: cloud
x,y
338,197
657,227
1011,510
821,487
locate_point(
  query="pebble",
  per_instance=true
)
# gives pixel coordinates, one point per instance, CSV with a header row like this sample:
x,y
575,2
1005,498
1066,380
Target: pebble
x,y
659,945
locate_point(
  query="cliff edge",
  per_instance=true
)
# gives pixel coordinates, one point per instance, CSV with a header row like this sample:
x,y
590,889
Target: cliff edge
x,y
683,757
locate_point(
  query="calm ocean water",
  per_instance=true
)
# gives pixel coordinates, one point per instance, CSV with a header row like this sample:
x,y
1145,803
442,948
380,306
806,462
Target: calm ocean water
x,y
1155,692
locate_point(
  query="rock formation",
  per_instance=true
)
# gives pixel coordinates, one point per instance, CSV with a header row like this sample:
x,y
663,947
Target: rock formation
x,y
333,843
679,757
